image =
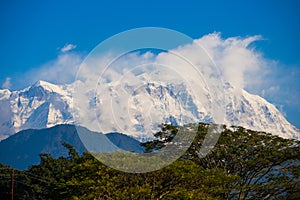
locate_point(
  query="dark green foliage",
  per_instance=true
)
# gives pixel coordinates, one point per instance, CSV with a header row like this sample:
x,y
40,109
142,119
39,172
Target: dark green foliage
x,y
167,133
268,166
243,165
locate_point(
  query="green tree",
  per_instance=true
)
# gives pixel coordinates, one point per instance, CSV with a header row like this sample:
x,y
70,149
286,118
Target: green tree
x,y
268,165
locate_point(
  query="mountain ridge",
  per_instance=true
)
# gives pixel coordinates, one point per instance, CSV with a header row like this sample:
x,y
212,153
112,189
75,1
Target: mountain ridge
x,y
45,105
23,148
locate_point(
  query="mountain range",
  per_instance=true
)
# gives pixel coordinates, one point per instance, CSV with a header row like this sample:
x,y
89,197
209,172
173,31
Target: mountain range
x,y
44,105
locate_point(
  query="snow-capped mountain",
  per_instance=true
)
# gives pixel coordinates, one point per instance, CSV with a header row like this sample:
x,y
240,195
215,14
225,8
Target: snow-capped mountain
x,y
38,106
45,105
254,112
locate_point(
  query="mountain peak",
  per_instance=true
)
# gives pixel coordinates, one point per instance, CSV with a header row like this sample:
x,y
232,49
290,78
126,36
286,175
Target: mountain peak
x,y
44,84
41,83
48,87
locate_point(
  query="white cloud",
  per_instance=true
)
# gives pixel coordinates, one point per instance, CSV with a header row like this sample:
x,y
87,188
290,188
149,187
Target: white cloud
x,y
235,60
281,109
61,70
279,84
68,47
7,83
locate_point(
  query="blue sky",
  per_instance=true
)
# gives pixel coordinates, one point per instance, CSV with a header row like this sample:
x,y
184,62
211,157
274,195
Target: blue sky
x,y
33,33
